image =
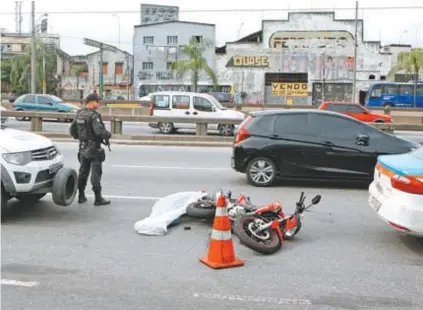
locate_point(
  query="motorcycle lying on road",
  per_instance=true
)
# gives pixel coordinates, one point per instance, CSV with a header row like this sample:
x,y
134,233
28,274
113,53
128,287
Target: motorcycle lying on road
x,y
205,208
264,229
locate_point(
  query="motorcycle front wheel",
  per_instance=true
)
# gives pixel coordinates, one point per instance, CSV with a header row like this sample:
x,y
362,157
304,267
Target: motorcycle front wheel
x,y
265,242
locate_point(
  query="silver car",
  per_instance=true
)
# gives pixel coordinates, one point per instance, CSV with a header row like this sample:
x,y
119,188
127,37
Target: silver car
x,y
3,118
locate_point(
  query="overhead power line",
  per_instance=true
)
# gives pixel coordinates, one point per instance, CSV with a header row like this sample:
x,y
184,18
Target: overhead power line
x,y
230,10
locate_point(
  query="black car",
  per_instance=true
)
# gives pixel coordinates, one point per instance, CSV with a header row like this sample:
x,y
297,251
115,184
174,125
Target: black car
x,y
310,145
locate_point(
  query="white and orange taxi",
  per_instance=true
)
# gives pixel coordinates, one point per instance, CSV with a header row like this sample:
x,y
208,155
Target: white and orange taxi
x,y
396,193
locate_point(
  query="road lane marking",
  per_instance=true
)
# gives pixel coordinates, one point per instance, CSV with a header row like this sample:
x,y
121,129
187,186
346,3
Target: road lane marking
x,y
270,300
172,168
19,283
125,197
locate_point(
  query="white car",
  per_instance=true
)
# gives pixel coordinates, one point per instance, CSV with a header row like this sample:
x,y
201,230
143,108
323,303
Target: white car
x,y
396,193
31,167
3,118
188,104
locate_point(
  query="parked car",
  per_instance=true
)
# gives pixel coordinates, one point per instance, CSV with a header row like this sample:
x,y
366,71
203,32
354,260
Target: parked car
x,y
310,145
31,167
396,193
356,111
187,104
43,103
222,97
3,118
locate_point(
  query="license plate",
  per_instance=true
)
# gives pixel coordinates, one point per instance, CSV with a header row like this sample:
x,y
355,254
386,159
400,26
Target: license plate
x,y
54,168
374,203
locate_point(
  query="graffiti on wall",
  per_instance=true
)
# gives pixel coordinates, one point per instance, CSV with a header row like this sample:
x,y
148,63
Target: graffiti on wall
x,y
318,66
151,13
310,39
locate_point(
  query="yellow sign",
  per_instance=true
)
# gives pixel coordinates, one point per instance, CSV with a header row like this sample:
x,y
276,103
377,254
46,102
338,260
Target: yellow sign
x,y
290,89
248,61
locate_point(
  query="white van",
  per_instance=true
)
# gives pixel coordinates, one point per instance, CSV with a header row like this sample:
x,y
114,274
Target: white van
x,y
187,104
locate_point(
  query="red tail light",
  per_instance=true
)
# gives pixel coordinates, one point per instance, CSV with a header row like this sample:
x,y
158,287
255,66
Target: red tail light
x,y
242,133
407,184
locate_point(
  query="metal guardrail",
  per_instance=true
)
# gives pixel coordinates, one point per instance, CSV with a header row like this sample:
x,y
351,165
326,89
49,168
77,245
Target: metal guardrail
x,y
201,123
117,120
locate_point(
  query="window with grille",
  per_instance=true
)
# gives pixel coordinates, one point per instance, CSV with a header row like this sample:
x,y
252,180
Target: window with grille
x,y
148,40
172,40
147,66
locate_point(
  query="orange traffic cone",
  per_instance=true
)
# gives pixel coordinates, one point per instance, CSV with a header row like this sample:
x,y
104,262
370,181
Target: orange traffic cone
x,y
221,249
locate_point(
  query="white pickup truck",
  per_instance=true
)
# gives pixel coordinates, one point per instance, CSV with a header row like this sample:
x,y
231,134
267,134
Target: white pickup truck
x,y
31,167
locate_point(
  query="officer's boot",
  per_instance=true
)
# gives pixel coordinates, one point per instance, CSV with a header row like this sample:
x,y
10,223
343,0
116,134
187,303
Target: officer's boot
x,y
99,200
81,196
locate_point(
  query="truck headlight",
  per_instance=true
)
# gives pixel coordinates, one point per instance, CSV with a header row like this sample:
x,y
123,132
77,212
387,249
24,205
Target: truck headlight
x,y
21,158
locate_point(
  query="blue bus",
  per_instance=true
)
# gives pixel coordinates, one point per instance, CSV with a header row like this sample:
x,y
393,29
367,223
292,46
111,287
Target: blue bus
x,y
390,94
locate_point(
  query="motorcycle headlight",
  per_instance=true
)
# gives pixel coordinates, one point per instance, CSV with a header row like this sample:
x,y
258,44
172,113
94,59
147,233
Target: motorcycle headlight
x,y
20,158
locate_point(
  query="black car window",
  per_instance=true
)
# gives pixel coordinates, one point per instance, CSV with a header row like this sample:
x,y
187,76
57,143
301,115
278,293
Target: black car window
x,y
266,123
293,124
29,99
334,127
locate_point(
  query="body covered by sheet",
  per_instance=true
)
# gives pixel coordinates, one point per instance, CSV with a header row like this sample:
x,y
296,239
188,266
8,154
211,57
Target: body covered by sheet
x,y
165,211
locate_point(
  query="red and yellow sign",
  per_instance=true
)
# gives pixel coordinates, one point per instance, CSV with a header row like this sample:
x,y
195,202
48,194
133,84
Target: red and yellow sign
x,y
290,89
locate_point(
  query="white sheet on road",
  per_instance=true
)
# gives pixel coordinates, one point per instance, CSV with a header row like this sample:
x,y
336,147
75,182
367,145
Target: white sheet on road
x,y
165,211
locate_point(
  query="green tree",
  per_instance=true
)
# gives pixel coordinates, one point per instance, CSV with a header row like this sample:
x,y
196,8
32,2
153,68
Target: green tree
x,y
6,66
409,62
20,73
76,70
195,64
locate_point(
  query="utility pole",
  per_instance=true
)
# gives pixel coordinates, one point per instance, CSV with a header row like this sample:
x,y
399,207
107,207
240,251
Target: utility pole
x,y
33,51
355,54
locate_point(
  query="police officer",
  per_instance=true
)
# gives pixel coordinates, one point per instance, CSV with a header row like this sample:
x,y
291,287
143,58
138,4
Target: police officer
x,y
89,129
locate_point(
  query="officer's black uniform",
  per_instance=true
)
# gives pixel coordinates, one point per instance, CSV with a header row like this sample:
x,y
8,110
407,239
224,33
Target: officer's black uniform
x,y
89,129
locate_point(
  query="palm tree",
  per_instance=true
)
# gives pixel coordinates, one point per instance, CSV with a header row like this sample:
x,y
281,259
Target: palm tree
x,y
195,64
409,62
77,69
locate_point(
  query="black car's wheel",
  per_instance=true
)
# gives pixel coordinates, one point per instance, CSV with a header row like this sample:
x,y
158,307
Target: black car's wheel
x,y
261,172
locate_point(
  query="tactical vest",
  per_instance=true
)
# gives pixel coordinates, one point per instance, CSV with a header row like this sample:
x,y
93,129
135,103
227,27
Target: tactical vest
x,y
84,125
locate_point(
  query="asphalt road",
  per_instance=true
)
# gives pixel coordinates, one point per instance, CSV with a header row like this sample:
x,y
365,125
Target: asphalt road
x,y
134,128
85,257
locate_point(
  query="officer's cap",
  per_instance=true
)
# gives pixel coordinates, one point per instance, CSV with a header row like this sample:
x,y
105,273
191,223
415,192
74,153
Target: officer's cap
x,y
92,97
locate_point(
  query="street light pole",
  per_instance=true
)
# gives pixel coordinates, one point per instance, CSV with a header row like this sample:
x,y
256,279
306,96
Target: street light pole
x,y
118,20
33,51
355,53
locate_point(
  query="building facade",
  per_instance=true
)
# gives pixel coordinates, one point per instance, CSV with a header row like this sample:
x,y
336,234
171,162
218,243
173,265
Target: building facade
x,y
13,44
80,75
156,46
302,60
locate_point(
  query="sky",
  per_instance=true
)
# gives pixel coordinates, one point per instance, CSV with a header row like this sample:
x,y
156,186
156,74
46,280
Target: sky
x,y
106,21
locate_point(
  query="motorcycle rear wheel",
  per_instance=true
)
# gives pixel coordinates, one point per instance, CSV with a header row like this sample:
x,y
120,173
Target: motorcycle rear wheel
x,y
201,210
267,247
